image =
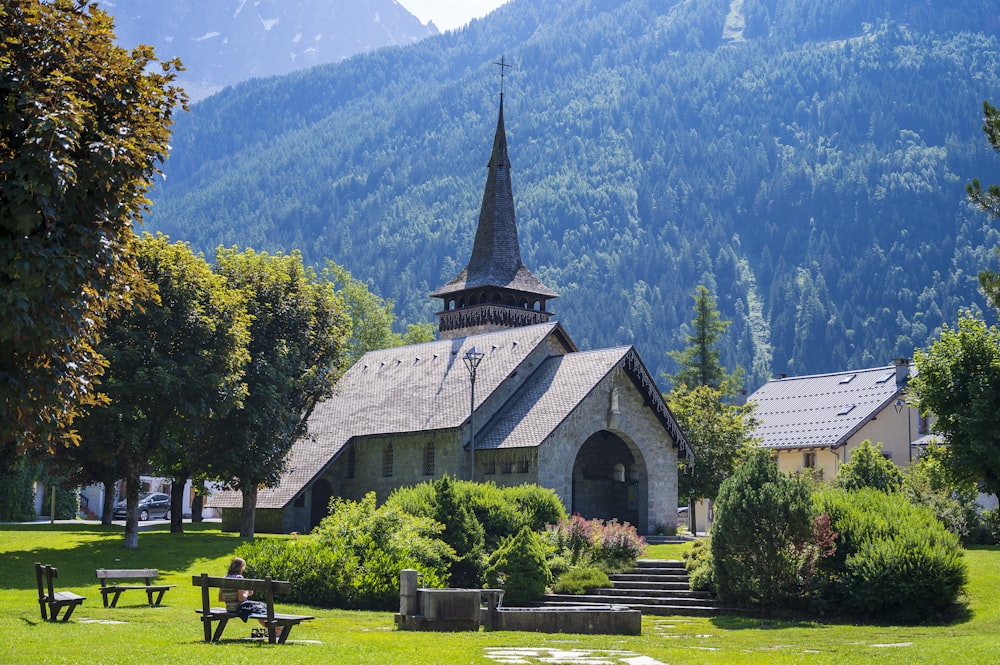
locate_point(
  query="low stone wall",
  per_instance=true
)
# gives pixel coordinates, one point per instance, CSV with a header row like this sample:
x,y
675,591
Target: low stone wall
x,y
462,609
592,620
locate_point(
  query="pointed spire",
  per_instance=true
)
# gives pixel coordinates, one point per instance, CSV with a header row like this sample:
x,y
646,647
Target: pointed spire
x,y
495,275
496,252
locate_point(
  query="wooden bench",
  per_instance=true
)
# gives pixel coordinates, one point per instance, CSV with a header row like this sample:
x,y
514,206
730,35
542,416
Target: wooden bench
x,y
264,590
52,602
109,587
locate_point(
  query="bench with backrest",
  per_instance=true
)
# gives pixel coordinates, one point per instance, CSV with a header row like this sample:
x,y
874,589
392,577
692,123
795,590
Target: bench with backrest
x,y
111,586
263,590
52,602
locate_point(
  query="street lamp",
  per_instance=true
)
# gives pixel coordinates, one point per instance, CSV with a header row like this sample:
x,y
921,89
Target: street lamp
x,y
909,436
472,359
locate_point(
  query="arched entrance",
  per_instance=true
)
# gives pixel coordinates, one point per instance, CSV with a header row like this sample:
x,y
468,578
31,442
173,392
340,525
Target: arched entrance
x,y
319,506
609,481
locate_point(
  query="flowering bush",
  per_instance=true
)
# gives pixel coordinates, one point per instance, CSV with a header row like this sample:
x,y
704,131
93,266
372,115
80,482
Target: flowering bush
x,y
612,546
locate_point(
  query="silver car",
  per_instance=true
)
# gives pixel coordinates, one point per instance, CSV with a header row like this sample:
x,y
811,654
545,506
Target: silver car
x,y
151,506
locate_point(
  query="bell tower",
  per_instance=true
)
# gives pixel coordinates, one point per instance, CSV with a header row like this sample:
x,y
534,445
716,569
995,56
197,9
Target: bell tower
x,y
495,290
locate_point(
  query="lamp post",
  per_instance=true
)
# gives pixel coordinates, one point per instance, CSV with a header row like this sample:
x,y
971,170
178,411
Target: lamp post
x,y
472,359
909,436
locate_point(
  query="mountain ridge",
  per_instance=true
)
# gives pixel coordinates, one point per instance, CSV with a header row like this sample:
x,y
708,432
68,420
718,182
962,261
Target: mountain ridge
x,y
225,42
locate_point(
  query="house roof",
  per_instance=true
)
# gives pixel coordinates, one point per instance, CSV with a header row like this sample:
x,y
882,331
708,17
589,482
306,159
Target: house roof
x,y
404,389
822,410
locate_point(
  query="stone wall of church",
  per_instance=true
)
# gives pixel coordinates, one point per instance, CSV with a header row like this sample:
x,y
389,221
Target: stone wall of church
x,y
413,459
637,425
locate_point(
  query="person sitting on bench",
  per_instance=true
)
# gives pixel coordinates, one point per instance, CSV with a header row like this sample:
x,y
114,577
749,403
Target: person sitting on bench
x,y
238,600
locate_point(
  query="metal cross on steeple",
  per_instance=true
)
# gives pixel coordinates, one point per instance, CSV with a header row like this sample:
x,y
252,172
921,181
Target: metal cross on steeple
x,y
503,66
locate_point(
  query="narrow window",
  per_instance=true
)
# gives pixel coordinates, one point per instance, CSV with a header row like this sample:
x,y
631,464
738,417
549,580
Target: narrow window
x,y
387,461
809,460
924,425
429,459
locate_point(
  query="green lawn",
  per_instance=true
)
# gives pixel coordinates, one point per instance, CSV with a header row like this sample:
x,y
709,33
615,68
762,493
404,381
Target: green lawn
x,y
134,633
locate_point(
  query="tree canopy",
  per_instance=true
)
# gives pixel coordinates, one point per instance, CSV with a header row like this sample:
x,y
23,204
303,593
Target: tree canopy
x,y
175,362
83,124
958,380
298,343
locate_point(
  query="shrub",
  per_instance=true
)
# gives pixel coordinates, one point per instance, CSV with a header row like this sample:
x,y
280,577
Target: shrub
x,y
617,545
700,567
894,560
869,468
989,525
762,538
353,558
502,511
462,531
519,568
575,541
578,581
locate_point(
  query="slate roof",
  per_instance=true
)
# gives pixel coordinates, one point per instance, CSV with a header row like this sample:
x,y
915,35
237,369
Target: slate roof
x,y
405,389
822,410
548,397
496,252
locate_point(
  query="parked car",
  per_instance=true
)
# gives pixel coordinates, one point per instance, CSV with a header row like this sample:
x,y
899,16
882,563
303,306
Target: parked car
x,y
151,505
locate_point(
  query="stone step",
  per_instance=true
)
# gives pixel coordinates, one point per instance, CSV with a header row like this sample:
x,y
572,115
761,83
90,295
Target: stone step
x,y
637,578
599,597
653,586
655,593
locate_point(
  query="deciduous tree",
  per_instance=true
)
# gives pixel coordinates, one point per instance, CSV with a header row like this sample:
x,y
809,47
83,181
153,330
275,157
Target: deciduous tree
x,y
174,363
83,124
958,380
298,341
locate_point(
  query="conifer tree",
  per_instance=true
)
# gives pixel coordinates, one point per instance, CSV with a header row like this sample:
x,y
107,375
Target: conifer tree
x,y
716,429
989,201
462,531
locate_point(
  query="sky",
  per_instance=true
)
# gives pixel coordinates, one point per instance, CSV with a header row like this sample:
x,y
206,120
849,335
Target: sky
x,y
450,14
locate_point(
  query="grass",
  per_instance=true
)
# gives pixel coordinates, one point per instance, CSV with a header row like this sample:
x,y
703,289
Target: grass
x,y
134,633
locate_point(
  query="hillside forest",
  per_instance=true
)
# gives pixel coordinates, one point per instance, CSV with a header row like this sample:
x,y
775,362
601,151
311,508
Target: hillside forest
x,y
805,161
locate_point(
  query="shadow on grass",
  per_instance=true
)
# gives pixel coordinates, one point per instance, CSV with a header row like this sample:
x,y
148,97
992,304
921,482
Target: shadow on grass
x,y
77,550
960,614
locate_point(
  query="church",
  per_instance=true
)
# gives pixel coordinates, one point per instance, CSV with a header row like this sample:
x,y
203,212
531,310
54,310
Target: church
x,y
503,396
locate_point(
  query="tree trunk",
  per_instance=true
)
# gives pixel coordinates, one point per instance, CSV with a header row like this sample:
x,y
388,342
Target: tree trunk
x,y
177,503
249,511
108,507
199,501
692,518
132,511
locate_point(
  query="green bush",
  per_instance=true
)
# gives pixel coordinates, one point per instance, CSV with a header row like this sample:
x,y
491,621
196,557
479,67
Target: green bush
x,y
894,560
17,491
869,468
502,511
519,568
989,525
700,567
352,560
462,531
762,538
578,581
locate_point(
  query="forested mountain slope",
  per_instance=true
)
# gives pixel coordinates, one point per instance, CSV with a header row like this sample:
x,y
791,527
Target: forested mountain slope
x,y
806,160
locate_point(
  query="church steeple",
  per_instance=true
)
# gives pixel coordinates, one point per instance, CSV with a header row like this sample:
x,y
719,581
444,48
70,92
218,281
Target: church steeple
x,y
495,290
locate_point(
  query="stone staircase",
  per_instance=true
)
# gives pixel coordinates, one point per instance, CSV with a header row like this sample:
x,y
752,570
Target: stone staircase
x,y
653,586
